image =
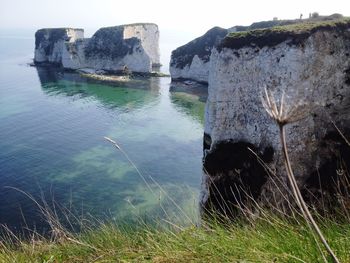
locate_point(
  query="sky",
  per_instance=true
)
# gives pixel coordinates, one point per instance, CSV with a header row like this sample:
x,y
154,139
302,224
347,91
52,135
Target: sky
x,y
179,21
177,15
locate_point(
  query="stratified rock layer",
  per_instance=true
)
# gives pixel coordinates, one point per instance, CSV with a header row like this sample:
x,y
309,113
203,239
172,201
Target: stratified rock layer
x,y
310,64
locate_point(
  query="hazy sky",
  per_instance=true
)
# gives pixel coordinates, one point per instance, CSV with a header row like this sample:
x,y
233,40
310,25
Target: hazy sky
x,y
180,15
179,21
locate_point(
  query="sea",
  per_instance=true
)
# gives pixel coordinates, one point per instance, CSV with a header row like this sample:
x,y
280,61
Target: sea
x,y
55,160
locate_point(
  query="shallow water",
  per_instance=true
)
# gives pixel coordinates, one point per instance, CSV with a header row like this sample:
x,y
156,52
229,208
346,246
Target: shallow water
x,y
52,125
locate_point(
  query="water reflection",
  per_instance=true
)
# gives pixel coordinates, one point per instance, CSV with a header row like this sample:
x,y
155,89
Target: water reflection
x,y
134,93
190,98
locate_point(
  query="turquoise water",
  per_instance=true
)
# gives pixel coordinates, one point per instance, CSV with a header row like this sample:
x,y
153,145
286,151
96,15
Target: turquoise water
x,y
52,125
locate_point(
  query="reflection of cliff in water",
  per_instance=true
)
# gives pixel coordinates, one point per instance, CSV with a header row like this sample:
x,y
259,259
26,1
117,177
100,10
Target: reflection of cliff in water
x,y
135,93
190,98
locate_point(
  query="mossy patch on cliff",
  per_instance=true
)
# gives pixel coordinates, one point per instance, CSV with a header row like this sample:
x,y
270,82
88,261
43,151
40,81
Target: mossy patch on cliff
x,y
295,34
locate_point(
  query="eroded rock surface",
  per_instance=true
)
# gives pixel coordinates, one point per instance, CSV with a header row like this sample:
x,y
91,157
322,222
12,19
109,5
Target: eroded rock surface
x,y
310,64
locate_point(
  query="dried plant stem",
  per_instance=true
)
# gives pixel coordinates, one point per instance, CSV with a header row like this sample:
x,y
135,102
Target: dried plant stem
x,y
298,197
341,134
282,116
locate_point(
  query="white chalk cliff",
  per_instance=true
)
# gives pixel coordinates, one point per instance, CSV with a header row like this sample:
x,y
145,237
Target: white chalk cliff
x,y
191,61
134,46
311,66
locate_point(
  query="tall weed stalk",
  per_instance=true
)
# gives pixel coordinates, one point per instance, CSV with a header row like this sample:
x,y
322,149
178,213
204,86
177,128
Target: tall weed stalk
x,y
282,117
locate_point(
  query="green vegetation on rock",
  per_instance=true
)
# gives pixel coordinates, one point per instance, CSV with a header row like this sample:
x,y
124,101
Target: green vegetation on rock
x,y
266,239
296,33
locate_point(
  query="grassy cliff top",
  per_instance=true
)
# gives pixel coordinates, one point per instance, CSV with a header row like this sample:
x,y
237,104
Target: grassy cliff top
x,y
273,36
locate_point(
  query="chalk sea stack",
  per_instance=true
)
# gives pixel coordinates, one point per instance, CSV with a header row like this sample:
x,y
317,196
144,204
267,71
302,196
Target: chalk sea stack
x,y
111,49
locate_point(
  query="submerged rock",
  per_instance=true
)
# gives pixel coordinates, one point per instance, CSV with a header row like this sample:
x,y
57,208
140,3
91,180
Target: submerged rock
x,y
310,64
133,47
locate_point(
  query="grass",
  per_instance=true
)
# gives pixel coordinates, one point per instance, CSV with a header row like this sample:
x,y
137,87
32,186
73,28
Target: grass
x,y
295,33
267,239
304,26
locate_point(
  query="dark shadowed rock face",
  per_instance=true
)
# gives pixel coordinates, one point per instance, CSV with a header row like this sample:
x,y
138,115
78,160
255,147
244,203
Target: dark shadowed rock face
x,y
201,47
309,63
109,43
47,38
191,61
49,43
236,170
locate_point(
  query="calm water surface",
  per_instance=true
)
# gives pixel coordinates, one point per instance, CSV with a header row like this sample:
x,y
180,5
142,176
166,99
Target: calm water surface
x,y
52,126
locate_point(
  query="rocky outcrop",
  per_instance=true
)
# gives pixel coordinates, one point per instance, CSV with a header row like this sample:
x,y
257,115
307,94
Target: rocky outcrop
x,y
191,61
310,64
50,42
134,47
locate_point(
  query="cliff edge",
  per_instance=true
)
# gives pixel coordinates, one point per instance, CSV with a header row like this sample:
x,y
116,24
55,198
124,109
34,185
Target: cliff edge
x,y
191,61
310,64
